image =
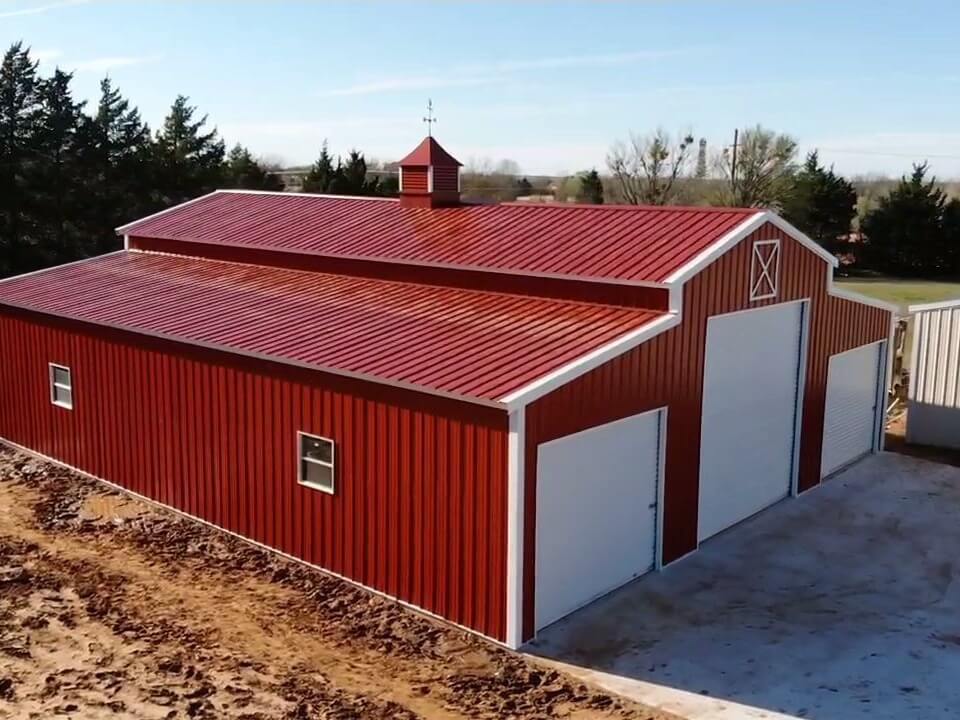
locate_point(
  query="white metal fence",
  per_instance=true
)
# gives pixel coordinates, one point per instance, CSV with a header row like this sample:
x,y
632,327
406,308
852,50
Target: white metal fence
x,y
934,397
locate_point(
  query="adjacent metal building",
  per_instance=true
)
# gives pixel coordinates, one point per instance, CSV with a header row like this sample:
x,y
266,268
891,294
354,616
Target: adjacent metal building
x,y
934,394
492,413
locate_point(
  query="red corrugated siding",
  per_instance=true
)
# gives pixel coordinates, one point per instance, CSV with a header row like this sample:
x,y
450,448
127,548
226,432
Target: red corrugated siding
x,y
653,298
628,243
420,508
668,370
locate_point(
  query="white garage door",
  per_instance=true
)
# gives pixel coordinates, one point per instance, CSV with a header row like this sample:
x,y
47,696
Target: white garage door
x,y
749,421
850,420
596,512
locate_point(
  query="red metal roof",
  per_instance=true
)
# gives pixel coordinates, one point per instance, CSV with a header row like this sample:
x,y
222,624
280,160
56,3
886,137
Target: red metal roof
x,y
462,343
429,152
613,243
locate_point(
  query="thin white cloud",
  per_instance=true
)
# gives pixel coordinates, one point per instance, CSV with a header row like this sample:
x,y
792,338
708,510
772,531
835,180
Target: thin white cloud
x,y
38,9
487,73
103,64
45,56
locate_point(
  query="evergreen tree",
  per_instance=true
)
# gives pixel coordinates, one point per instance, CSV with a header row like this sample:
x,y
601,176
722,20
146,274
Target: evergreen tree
x,y
243,171
57,190
322,174
187,161
591,188
19,114
908,233
352,177
117,163
822,204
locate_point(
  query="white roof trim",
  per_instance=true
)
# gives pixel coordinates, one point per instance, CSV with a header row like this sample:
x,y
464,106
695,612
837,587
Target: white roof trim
x,y
856,297
41,271
123,228
561,376
747,227
944,305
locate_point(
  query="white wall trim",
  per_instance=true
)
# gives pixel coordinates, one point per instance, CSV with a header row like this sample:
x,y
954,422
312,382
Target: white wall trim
x,y
561,376
262,546
516,453
944,305
801,396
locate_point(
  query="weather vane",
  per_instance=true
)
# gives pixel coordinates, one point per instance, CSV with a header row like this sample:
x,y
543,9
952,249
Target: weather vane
x,y
430,119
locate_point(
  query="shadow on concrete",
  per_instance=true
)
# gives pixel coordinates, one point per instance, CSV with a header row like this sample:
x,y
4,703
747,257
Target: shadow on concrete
x,y
843,603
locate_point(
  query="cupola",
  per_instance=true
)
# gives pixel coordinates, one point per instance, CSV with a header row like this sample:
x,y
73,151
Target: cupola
x,y
429,177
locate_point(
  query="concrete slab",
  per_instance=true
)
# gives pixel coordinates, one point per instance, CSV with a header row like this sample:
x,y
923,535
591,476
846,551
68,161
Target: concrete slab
x,y
843,603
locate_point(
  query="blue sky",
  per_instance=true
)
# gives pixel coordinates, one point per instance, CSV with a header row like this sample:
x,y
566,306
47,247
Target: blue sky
x,y
874,85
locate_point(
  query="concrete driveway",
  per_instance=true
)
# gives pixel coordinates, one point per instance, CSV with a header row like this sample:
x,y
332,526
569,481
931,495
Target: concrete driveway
x,y
843,603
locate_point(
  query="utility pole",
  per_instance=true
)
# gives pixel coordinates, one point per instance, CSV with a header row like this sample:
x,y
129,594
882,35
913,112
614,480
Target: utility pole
x,y
733,162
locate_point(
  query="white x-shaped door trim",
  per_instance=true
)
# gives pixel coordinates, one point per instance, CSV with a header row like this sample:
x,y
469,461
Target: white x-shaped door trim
x,y
765,271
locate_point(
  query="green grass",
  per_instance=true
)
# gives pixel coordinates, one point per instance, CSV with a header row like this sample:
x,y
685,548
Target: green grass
x,y
903,292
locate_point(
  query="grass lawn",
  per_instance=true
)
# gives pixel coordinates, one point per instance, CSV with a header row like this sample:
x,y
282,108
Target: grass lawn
x,y
903,292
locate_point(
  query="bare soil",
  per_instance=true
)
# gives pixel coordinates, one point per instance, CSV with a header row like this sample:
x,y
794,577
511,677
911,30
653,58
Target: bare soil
x,y
110,607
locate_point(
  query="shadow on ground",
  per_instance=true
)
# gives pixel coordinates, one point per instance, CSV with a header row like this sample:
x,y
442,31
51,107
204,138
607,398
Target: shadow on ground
x,y
843,603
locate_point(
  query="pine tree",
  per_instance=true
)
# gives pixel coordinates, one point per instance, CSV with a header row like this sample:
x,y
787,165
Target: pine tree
x,y
591,188
187,161
243,171
58,193
117,163
821,203
322,174
19,113
907,234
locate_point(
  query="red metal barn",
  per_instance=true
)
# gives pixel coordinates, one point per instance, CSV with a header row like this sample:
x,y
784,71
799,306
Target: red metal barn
x,y
494,413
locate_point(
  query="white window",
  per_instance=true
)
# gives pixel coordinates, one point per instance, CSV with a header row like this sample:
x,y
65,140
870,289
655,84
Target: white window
x,y
316,462
61,386
765,270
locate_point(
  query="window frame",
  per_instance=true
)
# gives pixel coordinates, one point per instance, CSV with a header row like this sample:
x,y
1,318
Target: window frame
x,y
54,385
769,270
301,459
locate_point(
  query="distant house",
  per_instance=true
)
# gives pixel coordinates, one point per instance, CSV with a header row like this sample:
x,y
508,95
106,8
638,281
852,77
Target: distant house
x,y
494,413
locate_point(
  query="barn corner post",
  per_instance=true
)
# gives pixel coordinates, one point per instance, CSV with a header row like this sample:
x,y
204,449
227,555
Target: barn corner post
x,y
516,447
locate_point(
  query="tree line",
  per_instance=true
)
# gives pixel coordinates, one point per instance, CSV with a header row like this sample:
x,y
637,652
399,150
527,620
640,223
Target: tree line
x,y
70,174
913,230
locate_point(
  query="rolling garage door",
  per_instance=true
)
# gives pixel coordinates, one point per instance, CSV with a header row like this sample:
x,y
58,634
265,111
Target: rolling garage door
x,y
853,395
750,396
597,497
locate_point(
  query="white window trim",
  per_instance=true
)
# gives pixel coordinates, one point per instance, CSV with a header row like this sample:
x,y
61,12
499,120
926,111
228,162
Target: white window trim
x,y
769,270
54,385
332,464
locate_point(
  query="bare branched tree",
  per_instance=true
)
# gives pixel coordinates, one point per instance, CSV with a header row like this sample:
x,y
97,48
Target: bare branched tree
x,y
765,167
646,168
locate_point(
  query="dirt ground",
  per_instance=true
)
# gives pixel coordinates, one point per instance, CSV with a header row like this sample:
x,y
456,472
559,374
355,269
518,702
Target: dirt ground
x,y
113,608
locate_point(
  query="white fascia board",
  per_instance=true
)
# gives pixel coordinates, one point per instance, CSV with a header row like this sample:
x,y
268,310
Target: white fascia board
x,y
516,446
856,297
574,369
123,228
60,267
944,305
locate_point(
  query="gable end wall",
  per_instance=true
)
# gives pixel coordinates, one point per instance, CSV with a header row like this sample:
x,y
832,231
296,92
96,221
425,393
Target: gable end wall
x,y
668,370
